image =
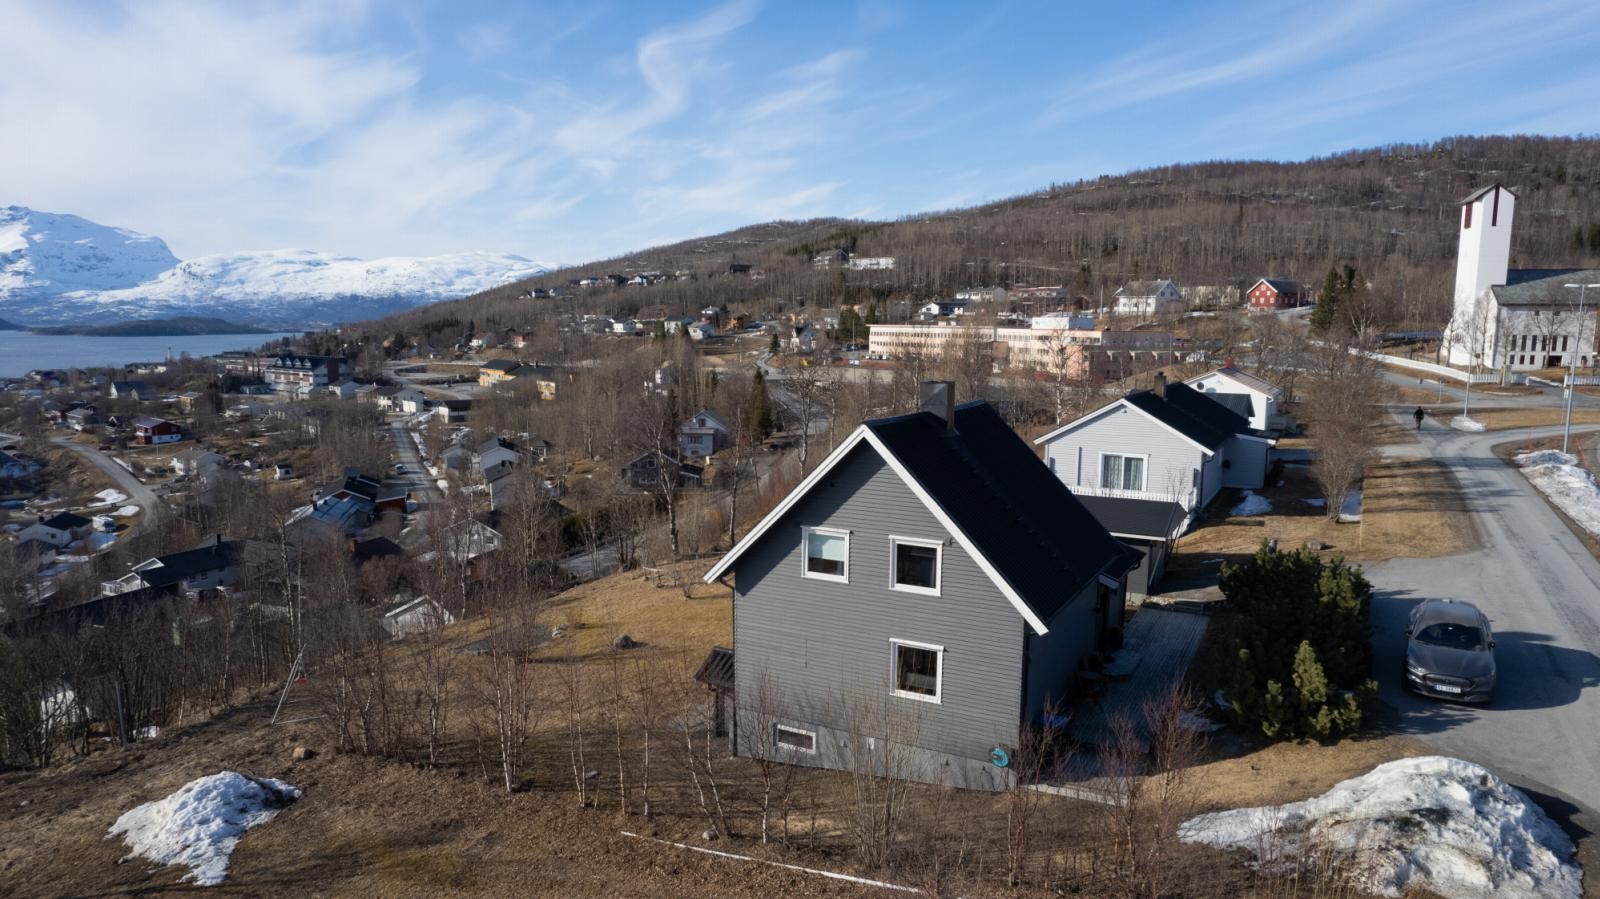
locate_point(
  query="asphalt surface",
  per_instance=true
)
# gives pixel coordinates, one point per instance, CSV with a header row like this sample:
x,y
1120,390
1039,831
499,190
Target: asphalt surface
x,y
1540,587
138,494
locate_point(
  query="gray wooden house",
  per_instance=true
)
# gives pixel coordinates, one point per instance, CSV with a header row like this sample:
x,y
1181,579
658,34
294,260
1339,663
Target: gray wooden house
x,y
928,591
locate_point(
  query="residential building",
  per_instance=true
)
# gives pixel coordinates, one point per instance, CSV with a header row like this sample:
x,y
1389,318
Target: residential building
x,y
213,563
646,470
59,530
870,263
1270,294
452,411
497,371
196,460
929,583
15,467
188,400
1171,444
829,259
1514,319
1148,298
945,308
702,435
414,616
135,390
288,373
1261,397
701,330
149,431
82,418
800,338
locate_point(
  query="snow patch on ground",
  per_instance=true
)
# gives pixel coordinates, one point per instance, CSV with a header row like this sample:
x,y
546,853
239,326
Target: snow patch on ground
x,y
110,497
1350,509
101,541
199,825
1571,488
1463,423
125,511
1251,504
1441,824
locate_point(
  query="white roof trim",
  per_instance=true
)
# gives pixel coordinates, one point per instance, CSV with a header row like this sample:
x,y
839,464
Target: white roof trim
x,y
864,433
1124,402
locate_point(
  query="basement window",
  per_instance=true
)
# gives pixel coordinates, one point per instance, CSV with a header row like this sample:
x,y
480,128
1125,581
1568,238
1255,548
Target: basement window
x,y
916,564
827,554
918,670
794,738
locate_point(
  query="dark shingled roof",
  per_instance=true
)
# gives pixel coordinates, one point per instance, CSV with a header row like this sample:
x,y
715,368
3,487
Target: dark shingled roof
x,y
1206,408
1283,285
1149,518
717,669
211,555
1544,286
1022,518
502,364
65,521
1203,430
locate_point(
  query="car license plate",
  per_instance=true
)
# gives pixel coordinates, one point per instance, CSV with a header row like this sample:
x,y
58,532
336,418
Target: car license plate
x,y
1446,688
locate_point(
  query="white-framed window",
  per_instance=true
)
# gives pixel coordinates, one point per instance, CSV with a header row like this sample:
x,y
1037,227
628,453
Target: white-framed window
x,y
915,564
793,738
1122,471
917,670
825,554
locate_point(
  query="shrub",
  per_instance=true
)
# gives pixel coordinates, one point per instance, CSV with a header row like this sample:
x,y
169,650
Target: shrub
x,y
1304,659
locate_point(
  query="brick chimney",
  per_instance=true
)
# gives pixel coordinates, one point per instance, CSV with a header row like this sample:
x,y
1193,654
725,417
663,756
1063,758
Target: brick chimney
x,y
939,397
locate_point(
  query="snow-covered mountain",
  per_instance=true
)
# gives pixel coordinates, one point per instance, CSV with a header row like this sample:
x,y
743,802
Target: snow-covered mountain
x,y
61,269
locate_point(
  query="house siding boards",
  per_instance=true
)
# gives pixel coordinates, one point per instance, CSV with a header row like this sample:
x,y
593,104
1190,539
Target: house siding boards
x,y
1247,462
816,642
1053,657
1075,455
1263,406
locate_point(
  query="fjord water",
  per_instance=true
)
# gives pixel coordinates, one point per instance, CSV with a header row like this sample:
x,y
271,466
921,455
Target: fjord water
x,y
22,351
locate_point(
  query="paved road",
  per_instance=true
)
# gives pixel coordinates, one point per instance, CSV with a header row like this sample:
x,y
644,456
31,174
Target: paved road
x,y
1456,393
1541,589
137,492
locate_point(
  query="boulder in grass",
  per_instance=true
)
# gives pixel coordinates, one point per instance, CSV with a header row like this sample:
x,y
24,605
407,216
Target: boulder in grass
x,y
623,641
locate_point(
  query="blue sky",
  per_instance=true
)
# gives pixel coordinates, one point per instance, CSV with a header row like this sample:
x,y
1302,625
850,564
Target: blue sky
x,y
567,131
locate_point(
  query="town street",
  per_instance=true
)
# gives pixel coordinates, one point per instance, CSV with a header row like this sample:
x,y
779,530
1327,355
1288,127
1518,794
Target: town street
x,y
137,492
1540,587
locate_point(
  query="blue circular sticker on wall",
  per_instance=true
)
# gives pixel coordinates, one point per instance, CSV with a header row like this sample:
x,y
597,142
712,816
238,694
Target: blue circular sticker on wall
x,y
1000,757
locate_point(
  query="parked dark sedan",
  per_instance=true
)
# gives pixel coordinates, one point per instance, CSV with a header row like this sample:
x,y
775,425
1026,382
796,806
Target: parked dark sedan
x,y
1450,651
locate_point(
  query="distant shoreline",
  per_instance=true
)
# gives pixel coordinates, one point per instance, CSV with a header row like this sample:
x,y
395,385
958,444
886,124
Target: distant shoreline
x,y
158,327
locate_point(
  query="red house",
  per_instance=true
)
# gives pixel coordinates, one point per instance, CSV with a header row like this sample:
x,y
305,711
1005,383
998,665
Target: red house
x,y
151,431
1277,293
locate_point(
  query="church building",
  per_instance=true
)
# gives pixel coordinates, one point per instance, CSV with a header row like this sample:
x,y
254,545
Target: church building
x,y
1514,319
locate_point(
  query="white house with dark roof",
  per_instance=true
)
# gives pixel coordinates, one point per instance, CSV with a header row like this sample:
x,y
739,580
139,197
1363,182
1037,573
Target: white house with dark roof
x,y
1148,298
1261,396
1517,319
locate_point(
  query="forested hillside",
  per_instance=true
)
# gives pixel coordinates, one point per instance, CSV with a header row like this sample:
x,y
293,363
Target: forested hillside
x,y
1388,211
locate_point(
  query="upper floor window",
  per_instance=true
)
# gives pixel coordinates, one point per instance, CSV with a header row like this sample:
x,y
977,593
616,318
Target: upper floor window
x,y
916,564
1121,472
827,554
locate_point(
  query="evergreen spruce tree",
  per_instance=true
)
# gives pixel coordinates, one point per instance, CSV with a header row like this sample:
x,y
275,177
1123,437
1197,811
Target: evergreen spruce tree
x,y
760,407
773,347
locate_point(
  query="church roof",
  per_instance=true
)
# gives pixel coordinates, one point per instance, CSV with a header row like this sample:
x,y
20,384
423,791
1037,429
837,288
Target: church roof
x,y
1544,286
1477,195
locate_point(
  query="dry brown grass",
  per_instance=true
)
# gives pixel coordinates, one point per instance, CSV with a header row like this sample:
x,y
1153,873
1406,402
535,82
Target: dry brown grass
x,y
653,610
1289,772
1539,417
1411,507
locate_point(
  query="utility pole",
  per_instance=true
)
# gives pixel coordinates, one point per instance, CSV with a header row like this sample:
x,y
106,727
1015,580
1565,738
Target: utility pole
x,y
1572,365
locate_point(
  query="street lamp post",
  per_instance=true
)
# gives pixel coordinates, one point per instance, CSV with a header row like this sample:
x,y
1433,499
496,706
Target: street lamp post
x,y
1572,366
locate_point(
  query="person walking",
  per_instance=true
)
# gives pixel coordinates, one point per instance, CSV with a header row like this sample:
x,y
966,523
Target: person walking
x,y
1419,415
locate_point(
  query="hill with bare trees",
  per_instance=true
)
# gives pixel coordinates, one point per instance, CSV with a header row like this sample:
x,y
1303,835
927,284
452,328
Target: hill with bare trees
x,y
1388,211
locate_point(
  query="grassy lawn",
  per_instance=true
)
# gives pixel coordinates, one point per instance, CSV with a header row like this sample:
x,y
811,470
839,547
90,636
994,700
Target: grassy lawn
x,y
1412,507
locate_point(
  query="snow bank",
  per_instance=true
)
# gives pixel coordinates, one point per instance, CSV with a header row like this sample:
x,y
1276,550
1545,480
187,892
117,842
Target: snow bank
x,y
199,825
110,497
1571,488
1463,423
125,511
1251,504
1435,823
